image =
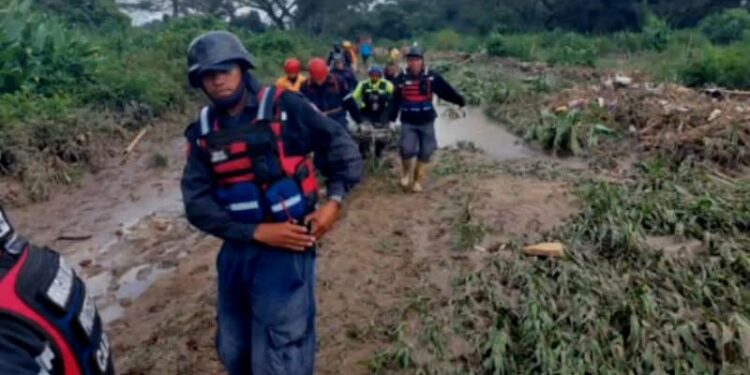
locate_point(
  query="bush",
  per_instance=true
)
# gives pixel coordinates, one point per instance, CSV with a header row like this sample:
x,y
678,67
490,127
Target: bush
x,y
656,34
446,40
509,46
726,27
41,55
726,67
573,49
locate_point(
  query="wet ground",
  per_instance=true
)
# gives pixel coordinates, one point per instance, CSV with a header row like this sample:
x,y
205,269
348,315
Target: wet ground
x,y
153,275
478,129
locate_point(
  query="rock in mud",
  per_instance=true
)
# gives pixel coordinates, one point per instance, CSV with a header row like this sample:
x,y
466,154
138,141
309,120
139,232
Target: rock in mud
x,y
621,81
551,249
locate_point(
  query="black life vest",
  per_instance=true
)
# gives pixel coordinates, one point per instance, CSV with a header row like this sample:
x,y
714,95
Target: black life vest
x,y
44,292
416,94
375,98
258,180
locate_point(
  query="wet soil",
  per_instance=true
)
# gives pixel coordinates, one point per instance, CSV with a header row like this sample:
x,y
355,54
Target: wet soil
x,y
153,275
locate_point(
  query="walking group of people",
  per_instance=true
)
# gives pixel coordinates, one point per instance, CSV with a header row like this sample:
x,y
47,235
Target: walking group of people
x,y
257,160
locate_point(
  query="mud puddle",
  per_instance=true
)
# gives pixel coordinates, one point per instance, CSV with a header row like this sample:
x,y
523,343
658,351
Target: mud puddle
x,y
483,132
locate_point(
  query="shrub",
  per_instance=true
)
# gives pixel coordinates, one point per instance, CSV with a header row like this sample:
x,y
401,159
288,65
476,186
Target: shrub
x,y
726,27
726,67
41,55
573,49
509,46
447,40
656,34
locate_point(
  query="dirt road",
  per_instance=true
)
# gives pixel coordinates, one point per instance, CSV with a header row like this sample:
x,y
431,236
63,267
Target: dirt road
x,y
154,277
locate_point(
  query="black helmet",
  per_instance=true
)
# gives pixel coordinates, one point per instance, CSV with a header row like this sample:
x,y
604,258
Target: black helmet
x,y
210,50
415,51
337,46
338,57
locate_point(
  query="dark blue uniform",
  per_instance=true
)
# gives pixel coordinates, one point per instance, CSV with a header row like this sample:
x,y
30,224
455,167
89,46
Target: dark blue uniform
x,y
266,321
349,77
412,98
332,98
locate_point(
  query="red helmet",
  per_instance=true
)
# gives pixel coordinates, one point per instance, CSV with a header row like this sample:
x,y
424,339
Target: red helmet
x,y
292,66
318,69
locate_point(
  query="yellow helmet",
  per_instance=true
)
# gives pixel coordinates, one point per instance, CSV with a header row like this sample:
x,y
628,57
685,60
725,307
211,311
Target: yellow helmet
x,y
347,44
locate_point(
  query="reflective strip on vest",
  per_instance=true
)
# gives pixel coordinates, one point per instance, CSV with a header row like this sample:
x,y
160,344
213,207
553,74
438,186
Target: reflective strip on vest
x,y
289,202
244,206
205,126
265,111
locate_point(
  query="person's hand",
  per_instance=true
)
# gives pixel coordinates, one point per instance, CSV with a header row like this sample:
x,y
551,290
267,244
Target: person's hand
x,y
285,235
352,127
322,219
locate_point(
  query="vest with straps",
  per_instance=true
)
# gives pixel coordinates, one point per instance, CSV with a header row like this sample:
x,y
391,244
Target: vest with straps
x,y
375,98
416,94
44,292
287,84
258,180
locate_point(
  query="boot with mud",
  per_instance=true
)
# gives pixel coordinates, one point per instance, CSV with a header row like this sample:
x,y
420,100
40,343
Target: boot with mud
x,y
419,174
408,166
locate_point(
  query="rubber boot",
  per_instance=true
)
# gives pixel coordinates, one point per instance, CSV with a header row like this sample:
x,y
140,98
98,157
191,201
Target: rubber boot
x,y
408,166
419,173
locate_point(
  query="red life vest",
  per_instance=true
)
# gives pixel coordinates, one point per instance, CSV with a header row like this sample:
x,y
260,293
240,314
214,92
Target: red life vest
x,y
419,90
416,94
42,291
255,154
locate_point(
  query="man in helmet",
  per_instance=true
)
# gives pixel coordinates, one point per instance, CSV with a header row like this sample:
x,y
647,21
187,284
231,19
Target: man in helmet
x,y
339,51
412,98
48,321
339,68
373,97
249,181
330,93
293,79
351,54
391,71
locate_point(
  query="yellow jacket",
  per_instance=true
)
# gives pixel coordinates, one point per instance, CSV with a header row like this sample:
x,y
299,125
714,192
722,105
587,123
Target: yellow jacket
x,y
288,85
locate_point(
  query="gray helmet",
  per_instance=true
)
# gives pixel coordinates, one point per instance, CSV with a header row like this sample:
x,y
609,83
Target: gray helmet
x,y
415,51
213,50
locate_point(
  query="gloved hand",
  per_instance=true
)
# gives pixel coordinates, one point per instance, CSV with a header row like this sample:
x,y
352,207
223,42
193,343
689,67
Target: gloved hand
x,y
323,218
394,126
366,128
284,235
352,127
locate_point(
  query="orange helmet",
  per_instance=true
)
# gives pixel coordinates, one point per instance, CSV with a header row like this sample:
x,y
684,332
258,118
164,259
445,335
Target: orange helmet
x,y
292,66
318,69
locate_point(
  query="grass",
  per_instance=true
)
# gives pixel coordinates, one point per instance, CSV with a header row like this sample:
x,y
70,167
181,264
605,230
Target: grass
x,y
613,305
469,232
158,161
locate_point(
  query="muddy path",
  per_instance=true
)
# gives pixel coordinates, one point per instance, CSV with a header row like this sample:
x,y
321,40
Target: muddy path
x,y
153,275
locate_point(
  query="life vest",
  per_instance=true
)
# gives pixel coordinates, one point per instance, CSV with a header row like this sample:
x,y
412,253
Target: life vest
x,y
285,83
375,97
258,181
44,292
416,94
